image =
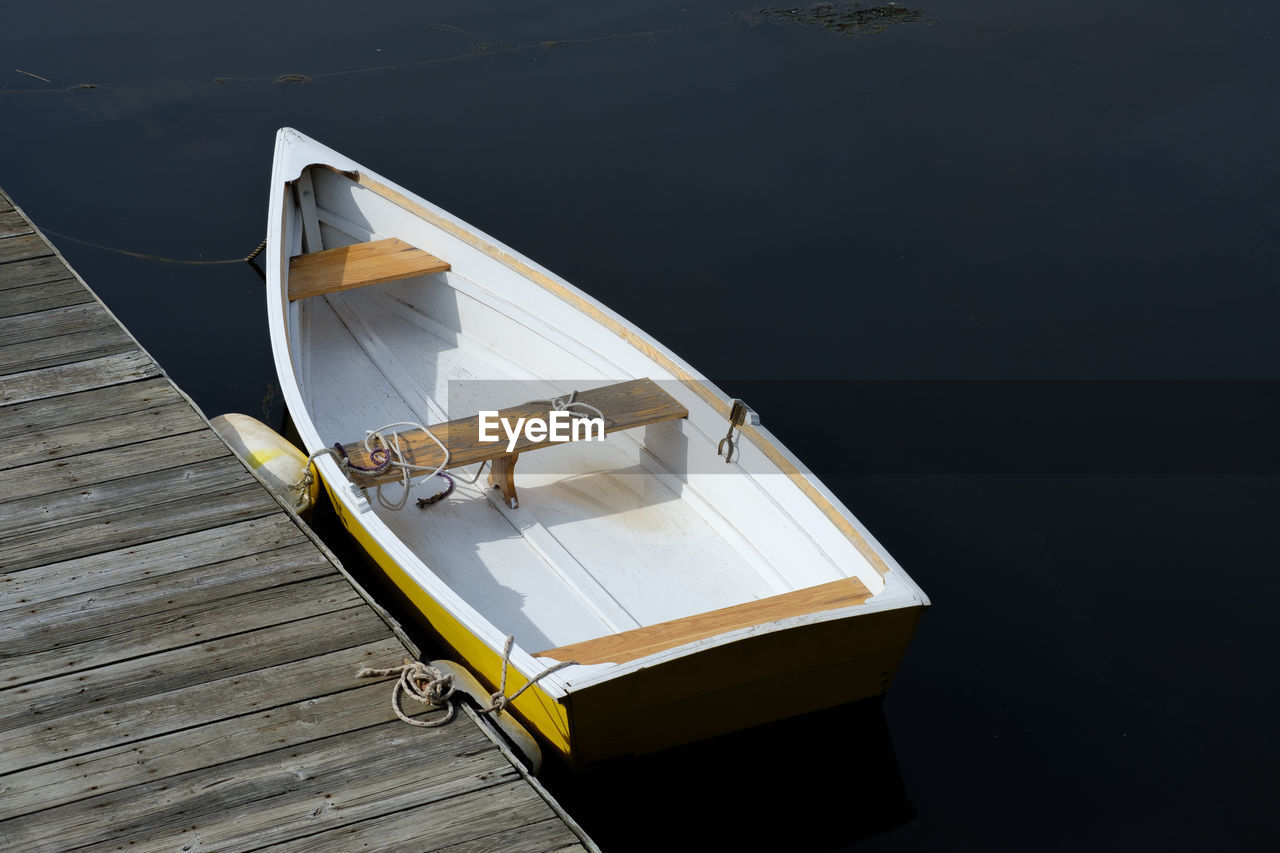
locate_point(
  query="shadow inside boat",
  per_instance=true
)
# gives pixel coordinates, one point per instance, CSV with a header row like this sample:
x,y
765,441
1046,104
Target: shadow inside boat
x,y
820,782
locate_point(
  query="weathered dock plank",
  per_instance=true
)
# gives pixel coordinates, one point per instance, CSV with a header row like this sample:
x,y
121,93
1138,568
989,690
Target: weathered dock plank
x,y
77,647
32,298
107,770
104,570
13,223
177,655
42,325
63,349
79,615
87,407
21,247
104,466
160,674
250,803
120,530
128,495
37,271
68,440
80,376
107,724
501,806
540,837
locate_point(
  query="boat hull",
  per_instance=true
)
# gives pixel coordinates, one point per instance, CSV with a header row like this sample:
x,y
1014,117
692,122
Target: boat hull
x,y
739,685
715,690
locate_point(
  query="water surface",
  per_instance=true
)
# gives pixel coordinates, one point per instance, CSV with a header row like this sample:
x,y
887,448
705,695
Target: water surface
x,y
1003,274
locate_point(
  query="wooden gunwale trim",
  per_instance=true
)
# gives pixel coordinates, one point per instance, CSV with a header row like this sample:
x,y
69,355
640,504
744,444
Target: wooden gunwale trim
x,y
641,642
629,335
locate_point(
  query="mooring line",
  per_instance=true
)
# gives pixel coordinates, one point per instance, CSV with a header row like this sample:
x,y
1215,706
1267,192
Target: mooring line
x,y
148,257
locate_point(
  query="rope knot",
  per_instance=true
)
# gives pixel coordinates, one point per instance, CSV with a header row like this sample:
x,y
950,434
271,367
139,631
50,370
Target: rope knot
x,y
498,700
387,454
422,682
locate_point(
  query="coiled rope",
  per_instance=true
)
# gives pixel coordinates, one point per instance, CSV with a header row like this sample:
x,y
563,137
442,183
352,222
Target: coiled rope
x,y
395,459
388,455
430,686
422,682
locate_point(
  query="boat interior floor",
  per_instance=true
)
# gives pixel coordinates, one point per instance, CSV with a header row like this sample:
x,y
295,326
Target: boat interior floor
x,y
603,540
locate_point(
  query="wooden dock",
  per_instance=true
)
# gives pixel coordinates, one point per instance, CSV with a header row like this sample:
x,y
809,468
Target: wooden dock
x,y
178,655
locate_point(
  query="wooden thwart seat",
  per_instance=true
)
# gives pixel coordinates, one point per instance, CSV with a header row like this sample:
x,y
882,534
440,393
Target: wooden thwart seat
x,y
638,642
625,405
362,264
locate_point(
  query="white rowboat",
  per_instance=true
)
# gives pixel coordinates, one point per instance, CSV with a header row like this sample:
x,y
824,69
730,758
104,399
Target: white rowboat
x,y
697,597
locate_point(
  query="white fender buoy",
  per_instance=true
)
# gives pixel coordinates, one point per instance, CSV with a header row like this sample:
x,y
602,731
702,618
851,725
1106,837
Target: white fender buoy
x,y
270,455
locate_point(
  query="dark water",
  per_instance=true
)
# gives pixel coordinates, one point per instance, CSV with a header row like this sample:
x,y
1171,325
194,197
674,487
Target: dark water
x,y
1004,274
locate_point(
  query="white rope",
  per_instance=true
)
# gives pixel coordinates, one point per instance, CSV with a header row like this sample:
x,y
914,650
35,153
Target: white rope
x,y
396,460
499,699
424,683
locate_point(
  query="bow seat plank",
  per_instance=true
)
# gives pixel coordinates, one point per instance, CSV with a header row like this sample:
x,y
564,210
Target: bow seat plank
x,y
358,265
625,405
